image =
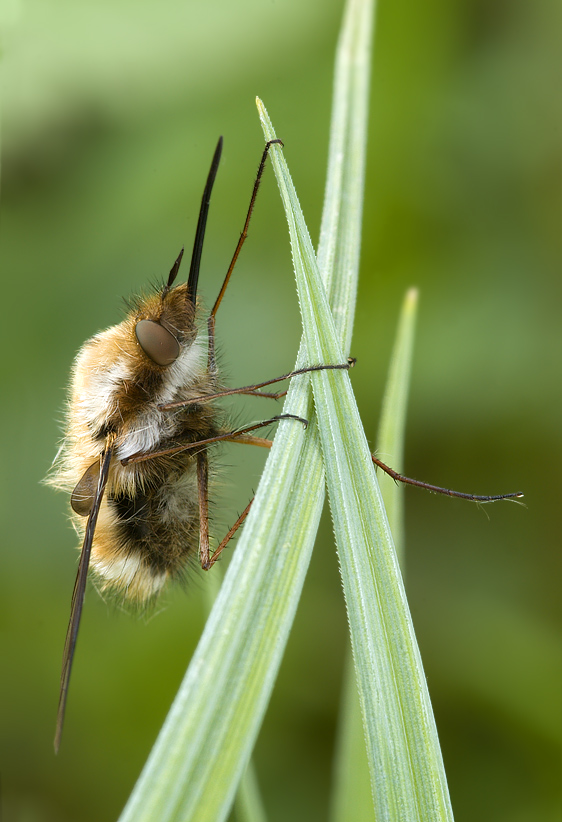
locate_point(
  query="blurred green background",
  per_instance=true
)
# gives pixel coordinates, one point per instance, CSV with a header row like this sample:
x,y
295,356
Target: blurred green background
x,y
111,113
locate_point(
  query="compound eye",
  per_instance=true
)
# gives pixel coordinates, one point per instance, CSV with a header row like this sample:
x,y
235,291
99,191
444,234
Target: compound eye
x,y
84,494
157,342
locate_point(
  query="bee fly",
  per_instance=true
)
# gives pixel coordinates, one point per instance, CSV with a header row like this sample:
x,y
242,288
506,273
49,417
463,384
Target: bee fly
x,y
139,421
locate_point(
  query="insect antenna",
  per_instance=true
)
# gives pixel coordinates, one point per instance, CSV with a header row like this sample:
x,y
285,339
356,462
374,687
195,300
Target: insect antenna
x,y
201,224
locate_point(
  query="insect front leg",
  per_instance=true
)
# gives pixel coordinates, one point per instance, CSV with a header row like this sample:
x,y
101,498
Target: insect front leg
x,y
241,241
254,390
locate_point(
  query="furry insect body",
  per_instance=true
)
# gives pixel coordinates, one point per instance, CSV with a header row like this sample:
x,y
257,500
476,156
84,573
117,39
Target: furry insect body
x,y
148,523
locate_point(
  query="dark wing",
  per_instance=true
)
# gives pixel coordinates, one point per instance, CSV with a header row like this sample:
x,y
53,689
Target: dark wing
x,y
78,594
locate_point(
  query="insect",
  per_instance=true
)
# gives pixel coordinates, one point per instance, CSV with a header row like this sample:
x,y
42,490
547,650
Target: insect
x,y
140,419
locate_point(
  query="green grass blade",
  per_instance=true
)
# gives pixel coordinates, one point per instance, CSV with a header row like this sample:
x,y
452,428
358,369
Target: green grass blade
x,y
403,749
352,791
392,426
340,233
352,796
248,805
338,261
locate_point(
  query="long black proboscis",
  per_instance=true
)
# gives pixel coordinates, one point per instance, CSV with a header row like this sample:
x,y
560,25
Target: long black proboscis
x,y
201,224
78,595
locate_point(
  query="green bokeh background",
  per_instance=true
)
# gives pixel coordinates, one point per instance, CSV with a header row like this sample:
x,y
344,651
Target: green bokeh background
x,y
111,113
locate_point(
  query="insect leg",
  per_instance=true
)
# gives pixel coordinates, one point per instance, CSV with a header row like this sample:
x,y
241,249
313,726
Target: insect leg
x,y
437,489
202,477
78,594
211,561
253,390
263,443
228,436
244,234
203,492
260,441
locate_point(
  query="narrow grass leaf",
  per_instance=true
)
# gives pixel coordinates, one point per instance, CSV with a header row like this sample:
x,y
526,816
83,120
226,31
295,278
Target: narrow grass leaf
x,y
392,426
248,805
352,791
338,262
340,232
406,766
352,796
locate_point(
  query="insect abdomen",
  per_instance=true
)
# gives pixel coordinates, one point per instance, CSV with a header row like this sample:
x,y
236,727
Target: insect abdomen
x,y
145,536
